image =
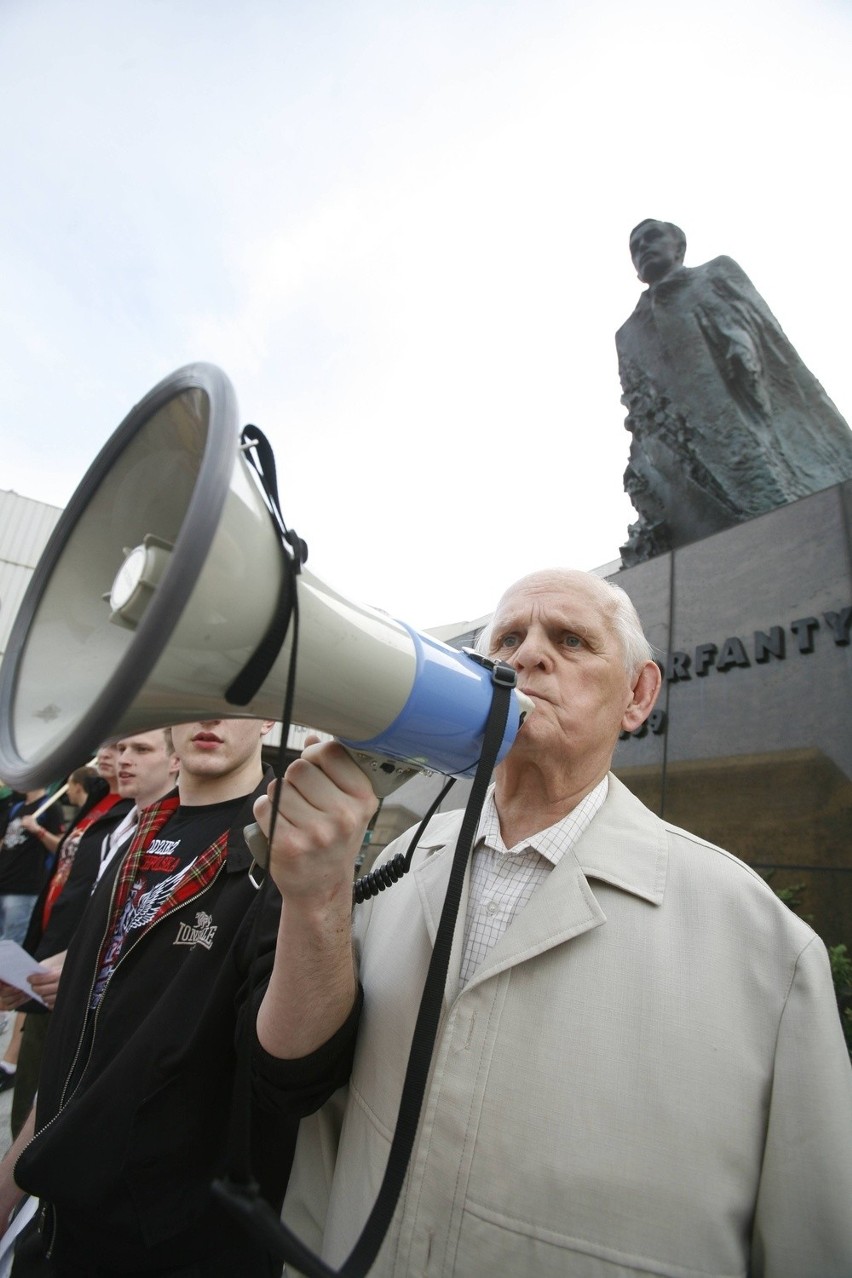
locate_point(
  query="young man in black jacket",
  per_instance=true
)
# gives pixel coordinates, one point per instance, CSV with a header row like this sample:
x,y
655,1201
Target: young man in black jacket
x,y
160,984
145,769
101,808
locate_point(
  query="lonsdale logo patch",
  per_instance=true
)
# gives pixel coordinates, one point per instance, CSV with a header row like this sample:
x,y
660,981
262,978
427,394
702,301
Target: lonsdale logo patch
x,y
201,933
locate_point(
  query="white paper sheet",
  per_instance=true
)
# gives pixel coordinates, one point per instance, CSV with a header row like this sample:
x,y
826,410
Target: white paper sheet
x,y
27,1210
17,966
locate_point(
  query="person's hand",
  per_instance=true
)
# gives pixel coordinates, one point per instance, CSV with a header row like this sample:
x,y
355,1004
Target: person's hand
x,y
35,828
45,984
11,997
324,807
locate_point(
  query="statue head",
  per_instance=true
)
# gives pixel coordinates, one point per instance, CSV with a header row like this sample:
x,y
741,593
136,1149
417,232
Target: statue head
x,y
656,248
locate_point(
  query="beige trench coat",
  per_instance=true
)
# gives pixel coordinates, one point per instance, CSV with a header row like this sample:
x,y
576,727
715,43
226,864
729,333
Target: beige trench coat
x,y
646,1076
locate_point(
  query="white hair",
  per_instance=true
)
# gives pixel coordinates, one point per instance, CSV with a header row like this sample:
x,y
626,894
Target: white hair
x,y
625,619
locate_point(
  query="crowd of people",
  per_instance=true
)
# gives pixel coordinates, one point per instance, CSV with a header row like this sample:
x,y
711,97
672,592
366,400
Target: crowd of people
x,y
638,1067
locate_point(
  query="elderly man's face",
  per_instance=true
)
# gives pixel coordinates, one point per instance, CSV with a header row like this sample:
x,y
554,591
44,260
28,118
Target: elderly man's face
x,y
655,250
556,630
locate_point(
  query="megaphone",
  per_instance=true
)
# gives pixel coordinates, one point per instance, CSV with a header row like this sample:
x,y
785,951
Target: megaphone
x,y
162,582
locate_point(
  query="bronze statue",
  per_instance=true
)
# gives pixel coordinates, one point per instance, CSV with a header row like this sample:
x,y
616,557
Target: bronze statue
x,y
726,420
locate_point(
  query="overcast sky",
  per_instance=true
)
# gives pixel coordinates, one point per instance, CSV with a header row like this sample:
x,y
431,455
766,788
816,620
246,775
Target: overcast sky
x,y
401,230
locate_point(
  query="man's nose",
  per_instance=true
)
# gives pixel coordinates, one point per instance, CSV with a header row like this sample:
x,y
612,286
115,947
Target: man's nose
x,y
530,652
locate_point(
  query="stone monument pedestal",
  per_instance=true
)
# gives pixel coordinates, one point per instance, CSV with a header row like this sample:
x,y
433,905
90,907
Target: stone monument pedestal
x,y
751,742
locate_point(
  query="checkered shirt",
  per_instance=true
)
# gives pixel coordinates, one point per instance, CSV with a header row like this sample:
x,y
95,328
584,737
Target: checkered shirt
x,y
502,879
197,876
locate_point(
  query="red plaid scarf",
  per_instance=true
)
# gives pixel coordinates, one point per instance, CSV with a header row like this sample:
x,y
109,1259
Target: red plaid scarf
x,y
203,870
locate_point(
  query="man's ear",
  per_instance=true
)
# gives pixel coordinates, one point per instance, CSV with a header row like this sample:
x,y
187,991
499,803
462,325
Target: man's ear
x,y
646,689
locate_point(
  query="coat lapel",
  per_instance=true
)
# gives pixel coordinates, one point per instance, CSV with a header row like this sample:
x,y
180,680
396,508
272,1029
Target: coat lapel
x,y
561,908
625,846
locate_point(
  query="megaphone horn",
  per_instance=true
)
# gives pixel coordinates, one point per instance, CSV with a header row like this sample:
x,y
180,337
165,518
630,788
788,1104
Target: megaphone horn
x,y
162,578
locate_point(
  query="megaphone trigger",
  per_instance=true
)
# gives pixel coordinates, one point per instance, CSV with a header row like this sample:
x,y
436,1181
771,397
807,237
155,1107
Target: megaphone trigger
x,y
257,844
385,775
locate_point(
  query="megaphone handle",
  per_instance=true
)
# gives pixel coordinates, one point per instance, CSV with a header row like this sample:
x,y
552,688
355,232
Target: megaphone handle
x,y
258,844
385,775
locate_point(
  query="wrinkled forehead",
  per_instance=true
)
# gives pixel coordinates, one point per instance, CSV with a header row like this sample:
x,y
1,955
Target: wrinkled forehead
x,y
555,595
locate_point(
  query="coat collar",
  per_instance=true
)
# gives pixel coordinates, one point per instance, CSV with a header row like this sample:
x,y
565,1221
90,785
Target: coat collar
x,y
624,846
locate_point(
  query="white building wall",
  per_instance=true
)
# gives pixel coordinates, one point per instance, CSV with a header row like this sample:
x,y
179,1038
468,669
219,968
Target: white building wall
x,y
25,527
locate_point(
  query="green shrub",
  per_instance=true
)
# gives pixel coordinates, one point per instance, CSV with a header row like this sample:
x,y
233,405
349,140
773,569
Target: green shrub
x,y
839,958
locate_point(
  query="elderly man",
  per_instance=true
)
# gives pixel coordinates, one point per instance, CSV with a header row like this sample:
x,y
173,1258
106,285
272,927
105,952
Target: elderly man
x,y
639,1067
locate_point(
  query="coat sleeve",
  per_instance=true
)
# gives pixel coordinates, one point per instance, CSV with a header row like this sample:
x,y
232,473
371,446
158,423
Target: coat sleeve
x,y
803,1218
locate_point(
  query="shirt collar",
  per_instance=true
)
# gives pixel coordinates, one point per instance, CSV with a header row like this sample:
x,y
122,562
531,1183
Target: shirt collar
x,y
551,843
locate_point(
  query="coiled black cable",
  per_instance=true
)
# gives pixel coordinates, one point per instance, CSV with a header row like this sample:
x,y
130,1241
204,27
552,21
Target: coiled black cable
x,y
384,876
390,872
